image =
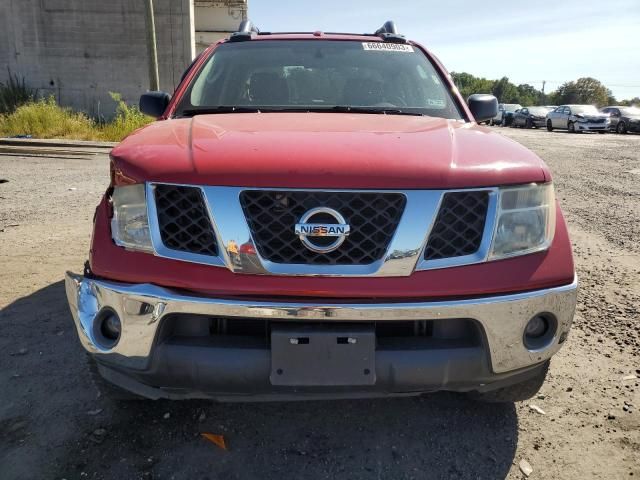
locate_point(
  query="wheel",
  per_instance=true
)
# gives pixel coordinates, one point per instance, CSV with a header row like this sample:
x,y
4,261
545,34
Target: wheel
x,y
528,123
515,393
571,127
621,127
549,126
107,389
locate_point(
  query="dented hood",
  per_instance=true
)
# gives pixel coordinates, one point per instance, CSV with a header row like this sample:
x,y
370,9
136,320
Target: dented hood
x,y
324,150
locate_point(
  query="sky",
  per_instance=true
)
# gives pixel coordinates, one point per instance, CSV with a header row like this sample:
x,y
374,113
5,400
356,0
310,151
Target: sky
x,y
527,41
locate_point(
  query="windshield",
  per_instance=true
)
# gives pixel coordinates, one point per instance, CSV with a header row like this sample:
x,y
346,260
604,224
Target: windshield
x,y
630,111
588,109
538,110
318,75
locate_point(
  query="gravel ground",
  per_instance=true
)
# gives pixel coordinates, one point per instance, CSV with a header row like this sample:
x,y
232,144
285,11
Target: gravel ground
x,y
53,424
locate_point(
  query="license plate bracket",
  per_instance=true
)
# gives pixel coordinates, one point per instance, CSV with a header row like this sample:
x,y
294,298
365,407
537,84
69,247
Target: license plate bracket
x,y
321,355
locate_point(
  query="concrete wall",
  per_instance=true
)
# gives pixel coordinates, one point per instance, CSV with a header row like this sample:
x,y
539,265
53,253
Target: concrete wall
x,y
79,50
216,20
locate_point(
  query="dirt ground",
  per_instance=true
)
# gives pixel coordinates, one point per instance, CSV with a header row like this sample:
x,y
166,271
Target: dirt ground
x,y
53,425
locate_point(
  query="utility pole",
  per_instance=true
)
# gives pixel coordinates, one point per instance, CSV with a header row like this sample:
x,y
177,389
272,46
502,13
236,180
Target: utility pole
x,y
544,99
154,78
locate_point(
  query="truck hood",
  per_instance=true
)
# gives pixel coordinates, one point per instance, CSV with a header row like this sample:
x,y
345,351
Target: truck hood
x,y
324,150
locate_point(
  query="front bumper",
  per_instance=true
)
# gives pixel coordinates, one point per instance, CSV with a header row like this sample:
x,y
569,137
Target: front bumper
x,y
592,127
143,362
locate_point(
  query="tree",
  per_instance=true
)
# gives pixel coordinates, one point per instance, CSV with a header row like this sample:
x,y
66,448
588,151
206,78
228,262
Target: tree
x,y
585,90
468,84
528,95
635,102
505,91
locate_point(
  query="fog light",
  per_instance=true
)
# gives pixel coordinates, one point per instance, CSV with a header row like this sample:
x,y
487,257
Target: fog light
x,y
107,328
540,332
111,327
536,327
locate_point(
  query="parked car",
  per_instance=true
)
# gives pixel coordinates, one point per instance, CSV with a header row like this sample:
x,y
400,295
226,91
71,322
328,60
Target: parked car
x,y
505,114
623,119
509,111
530,117
321,216
578,118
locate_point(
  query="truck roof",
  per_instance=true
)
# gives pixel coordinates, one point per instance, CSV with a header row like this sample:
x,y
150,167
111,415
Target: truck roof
x,y
248,31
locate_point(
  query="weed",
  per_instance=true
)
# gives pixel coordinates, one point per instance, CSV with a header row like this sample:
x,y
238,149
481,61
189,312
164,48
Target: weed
x,y
14,93
44,118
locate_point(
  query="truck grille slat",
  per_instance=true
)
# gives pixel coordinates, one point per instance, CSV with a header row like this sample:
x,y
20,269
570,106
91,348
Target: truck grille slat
x,y
183,219
459,226
271,216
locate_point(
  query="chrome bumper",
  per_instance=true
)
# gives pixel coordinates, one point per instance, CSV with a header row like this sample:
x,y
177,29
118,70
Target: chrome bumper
x,y
142,307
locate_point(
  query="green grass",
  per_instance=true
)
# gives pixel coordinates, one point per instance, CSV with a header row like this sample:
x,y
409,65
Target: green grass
x,y
44,118
127,120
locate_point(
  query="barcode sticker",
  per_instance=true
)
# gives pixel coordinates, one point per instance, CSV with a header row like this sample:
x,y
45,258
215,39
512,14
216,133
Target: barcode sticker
x,y
387,47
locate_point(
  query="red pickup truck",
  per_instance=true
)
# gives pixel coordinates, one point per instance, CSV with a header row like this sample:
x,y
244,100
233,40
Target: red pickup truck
x,y
321,216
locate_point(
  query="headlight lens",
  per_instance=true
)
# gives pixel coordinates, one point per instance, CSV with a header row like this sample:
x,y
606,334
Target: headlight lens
x,y
525,222
130,225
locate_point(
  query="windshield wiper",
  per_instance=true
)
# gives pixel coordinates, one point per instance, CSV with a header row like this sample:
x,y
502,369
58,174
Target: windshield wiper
x,y
220,109
374,110
338,108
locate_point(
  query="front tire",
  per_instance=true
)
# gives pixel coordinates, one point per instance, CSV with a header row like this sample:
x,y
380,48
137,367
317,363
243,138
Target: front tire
x,y
529,123
549,126
515,393
571,127
621,128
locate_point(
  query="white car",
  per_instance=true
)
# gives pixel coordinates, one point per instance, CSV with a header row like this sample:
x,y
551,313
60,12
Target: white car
x,y
578,118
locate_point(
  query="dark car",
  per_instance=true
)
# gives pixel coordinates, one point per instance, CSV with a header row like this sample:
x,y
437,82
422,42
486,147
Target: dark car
x,y
624,119
530,117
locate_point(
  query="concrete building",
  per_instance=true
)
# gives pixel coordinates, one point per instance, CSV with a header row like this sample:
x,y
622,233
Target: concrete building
x,y
216,20
80,50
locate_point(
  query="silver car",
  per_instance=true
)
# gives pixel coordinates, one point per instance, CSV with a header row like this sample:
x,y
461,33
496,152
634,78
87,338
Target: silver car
x,y
578,118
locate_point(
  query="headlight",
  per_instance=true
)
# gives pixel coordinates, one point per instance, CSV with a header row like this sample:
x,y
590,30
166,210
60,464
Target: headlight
x,y
525,222
130,225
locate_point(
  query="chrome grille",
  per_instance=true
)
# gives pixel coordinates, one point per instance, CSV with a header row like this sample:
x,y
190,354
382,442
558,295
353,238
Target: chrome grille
x,y
272,215
184,221
459,226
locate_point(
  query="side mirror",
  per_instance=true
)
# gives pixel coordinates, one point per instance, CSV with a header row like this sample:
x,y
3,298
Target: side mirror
x,y
154,103
483,107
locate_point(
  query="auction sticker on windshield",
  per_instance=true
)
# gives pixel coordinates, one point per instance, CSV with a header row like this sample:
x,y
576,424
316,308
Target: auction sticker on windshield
x,y
387,47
